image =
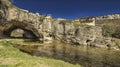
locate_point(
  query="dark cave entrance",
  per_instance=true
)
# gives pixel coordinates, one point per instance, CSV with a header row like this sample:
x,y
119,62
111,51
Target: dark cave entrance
x,y
20,33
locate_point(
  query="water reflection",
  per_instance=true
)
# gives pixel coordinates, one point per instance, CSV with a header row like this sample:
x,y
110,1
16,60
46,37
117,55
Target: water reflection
x,y
83,55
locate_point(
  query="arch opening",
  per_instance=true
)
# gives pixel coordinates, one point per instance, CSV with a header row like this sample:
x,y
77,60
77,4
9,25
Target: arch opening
x,y
18,32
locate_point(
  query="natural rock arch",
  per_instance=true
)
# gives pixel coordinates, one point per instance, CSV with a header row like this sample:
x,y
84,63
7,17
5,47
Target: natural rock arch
x,y
29,30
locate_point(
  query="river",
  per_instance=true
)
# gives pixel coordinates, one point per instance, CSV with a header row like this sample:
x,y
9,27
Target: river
x,y
76,54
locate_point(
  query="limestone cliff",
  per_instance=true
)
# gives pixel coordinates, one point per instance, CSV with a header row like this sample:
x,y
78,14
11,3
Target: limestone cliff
x,y
46,28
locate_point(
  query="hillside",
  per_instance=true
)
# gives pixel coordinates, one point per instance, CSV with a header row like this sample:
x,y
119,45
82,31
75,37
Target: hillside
x,y
12,57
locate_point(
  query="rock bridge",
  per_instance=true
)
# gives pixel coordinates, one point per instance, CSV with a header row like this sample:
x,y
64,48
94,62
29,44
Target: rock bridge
x,y
11,18
35,26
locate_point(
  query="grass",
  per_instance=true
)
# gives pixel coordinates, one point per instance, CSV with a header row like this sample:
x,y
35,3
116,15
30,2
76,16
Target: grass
x,y
12,57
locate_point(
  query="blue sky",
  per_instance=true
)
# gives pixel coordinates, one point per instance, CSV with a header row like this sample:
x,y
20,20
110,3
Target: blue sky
x,y
70,9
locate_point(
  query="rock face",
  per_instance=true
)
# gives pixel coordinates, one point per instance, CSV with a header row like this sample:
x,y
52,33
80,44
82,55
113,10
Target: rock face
x,y
95,20
112,16
46,28
86,20
14,17
82,35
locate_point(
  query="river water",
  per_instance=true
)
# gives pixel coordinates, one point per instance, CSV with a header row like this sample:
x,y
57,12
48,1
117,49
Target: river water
x,y
76,54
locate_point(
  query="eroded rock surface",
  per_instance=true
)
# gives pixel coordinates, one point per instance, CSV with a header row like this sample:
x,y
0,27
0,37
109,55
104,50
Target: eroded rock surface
x,y
46,28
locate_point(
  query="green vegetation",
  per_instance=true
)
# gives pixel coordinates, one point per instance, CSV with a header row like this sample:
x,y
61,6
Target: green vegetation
x,y
12,57
108,29
76,24
111,28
